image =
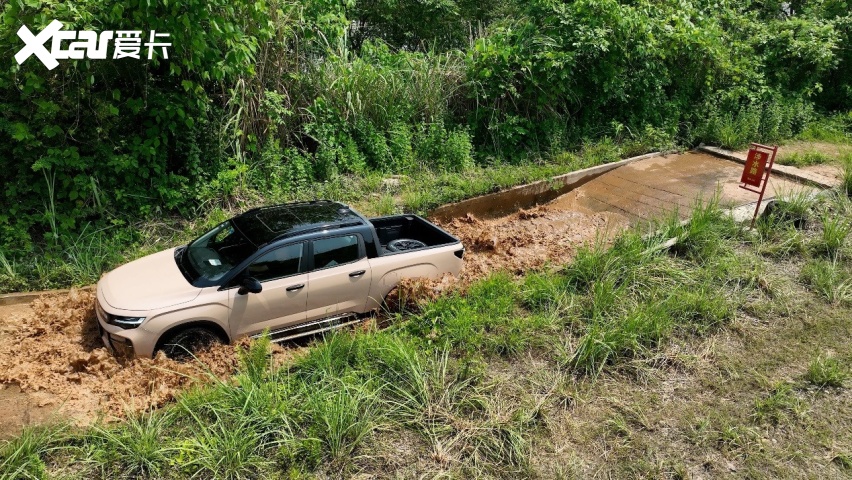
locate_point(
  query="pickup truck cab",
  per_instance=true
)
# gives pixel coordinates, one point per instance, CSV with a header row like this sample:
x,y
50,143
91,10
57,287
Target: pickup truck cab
x,y
292,270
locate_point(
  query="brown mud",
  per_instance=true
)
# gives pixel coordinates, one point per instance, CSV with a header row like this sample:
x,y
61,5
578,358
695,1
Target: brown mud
x,y
53,366
52,363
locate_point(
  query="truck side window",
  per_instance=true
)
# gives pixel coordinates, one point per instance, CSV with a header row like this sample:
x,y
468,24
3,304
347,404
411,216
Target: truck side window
x,y
329,252
278,263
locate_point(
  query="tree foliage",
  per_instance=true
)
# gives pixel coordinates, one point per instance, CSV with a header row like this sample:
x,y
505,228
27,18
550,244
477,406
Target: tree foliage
x,y
273,94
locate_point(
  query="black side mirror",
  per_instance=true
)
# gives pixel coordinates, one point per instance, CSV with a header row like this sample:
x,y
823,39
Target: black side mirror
x,y
249,285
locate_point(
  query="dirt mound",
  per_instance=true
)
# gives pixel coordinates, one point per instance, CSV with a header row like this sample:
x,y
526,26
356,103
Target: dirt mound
x,y
528,239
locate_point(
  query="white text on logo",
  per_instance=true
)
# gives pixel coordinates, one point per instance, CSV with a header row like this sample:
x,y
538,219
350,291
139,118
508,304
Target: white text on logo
x,y
87,44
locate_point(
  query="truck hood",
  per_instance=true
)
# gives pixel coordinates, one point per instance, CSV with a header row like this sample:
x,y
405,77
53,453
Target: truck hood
x,y
148,283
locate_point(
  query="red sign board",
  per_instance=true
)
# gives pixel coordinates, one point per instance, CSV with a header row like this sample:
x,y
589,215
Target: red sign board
x,y
754,167
759,161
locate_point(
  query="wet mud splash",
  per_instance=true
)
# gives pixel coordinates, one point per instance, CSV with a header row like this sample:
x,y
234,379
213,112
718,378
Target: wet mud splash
x,y
529,239
53,363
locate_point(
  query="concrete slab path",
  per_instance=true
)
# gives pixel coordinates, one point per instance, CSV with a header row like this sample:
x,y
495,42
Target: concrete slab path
x,y
649,188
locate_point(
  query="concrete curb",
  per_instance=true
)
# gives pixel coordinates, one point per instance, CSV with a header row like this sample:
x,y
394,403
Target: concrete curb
x,y
533,193
789,172
27,297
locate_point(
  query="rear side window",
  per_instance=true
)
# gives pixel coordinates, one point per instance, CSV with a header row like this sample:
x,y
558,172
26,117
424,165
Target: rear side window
x,y
329,252
278,263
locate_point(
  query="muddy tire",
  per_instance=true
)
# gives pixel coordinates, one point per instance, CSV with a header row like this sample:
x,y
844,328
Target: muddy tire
x,y
184,344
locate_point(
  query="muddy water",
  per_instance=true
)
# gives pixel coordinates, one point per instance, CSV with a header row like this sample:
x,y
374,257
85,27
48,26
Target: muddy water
x,y
52,362
509,201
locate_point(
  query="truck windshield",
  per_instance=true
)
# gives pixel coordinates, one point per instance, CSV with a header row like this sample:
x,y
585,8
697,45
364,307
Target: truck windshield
x,y
216,252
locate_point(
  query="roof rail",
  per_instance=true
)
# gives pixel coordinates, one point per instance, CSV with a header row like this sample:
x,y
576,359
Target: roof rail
x,y
289,204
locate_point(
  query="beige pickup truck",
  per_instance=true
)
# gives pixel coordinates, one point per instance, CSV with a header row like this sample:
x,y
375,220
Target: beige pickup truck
x,y
292,270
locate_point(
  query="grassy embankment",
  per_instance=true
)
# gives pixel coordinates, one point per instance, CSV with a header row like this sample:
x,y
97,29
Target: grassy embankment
x,y
94,252
726,353
372,193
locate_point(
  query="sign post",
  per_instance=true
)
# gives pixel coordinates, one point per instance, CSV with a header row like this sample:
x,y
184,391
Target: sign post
x,y
756,173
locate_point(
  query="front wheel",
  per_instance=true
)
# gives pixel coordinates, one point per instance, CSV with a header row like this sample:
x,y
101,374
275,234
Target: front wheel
x,y
187,343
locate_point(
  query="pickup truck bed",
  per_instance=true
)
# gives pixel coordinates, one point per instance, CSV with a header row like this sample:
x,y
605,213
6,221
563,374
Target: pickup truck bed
x,y
411,227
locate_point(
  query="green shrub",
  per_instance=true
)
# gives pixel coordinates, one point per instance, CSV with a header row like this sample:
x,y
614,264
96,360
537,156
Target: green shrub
x,y
341,416
444,150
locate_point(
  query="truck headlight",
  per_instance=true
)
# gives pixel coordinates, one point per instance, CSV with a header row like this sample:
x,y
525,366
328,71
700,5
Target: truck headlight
x,y
125,322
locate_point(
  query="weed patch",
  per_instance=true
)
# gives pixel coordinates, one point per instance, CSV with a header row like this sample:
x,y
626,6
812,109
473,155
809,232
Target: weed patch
x,y
779,405
827,372
828,278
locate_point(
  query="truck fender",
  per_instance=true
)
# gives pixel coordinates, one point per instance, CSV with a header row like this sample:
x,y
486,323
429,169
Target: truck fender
x,y
210,313
391,279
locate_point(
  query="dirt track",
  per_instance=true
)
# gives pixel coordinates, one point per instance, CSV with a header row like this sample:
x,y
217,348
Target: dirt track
x,y
52,362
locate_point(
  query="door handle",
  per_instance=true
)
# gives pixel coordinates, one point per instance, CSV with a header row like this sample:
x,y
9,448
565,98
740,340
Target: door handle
x,y
295,287
358,273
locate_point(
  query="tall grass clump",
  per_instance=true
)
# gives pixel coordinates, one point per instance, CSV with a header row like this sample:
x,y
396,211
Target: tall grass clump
x,y
231,429
634,297
227,448
138,447
832,237
341,415
827,372
707,233
793,206
829,279
628,336
24,457
846,179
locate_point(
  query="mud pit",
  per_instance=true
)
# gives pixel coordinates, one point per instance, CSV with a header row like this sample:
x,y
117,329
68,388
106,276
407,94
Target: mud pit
x,y
629,195
52,363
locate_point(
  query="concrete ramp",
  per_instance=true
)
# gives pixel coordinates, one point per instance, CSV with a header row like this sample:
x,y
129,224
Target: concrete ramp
x,y
653,187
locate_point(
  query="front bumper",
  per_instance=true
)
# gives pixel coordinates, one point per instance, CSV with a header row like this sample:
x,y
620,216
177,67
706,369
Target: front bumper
x,y
110,335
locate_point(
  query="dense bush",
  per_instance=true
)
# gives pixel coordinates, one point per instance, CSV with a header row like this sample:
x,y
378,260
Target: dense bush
x,y
267,97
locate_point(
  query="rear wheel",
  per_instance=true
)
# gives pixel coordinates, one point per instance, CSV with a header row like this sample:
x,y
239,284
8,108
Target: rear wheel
x,y
186,343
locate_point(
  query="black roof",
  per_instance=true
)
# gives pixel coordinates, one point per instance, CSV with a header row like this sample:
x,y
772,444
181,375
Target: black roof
x,y
264,224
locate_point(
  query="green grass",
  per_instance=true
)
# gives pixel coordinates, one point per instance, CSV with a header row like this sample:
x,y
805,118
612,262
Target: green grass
x,y
832,239
440,388
804,159
134,448
827,372
834,128
779,405
82,260
25,456
829,279
846,179
794,206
